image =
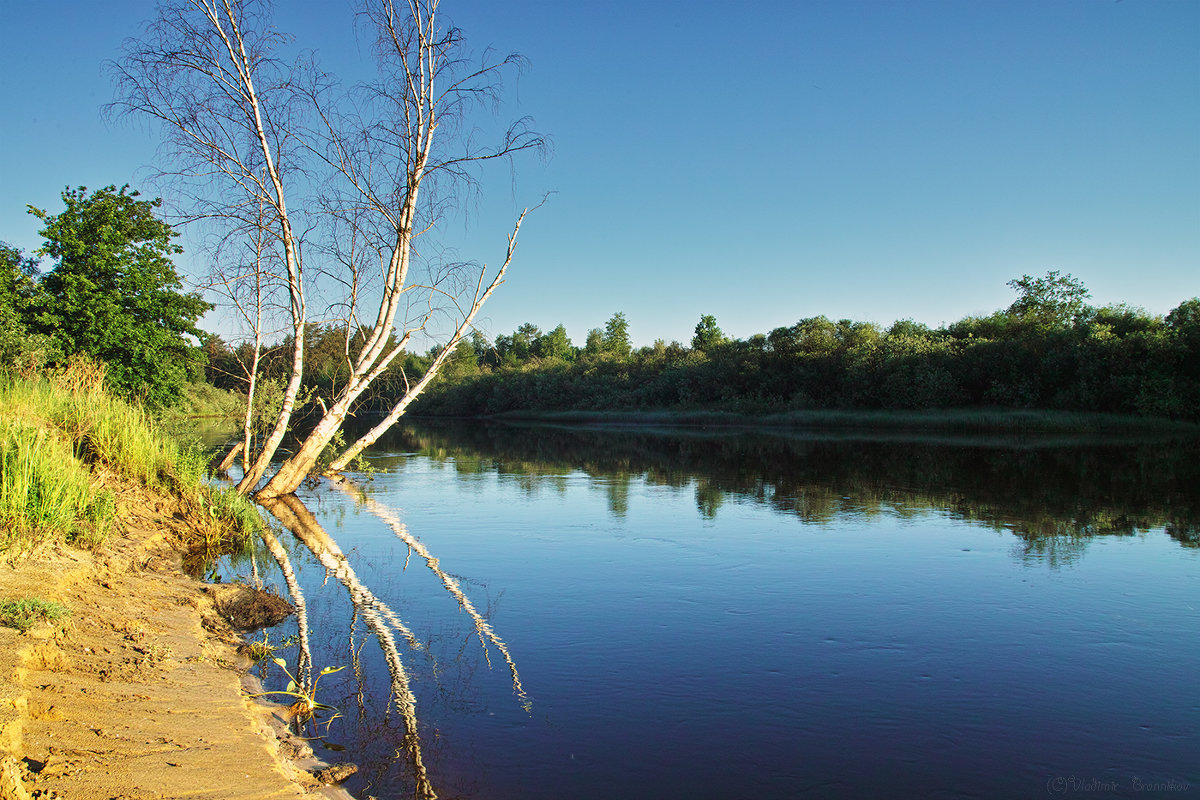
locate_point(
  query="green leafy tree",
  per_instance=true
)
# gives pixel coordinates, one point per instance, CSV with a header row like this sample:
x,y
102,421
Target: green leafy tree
x,y
616,336
114,294
555,344
1184,323
19,349
1053,301
1184,319
708,335
594,345
524,338
17,273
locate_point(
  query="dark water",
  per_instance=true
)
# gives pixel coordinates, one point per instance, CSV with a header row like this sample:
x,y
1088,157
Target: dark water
x,y
734,615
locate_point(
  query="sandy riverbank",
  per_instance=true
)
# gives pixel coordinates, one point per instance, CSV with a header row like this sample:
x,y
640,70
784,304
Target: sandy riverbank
x,y
139,692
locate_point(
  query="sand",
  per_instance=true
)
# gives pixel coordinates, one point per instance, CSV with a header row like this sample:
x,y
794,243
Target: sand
x,y
140,692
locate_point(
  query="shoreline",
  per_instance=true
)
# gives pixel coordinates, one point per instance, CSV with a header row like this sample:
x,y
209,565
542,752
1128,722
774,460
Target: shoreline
x,y
950,420
143,690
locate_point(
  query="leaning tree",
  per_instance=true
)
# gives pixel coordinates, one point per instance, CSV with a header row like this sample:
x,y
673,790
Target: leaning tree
x,y
349,179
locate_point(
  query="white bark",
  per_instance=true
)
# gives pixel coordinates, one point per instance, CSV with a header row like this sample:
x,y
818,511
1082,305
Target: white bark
x,y
199,73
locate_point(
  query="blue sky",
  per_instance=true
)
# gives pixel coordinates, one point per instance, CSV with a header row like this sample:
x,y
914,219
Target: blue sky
x,y
762,162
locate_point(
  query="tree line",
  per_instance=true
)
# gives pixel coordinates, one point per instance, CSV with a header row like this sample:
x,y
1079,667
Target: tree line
x,y
113,295
1049,349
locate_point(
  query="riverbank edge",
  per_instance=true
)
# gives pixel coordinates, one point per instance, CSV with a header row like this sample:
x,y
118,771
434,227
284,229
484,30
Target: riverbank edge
x,y
933,421
144,554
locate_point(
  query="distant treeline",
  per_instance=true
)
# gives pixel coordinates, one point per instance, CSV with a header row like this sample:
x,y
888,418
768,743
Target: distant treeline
x,y
1048,350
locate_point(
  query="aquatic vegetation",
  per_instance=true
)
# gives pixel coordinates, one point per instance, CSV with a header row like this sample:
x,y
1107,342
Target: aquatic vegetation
x,y
306,707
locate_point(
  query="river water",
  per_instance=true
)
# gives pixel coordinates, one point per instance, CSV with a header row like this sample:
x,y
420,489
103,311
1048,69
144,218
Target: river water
x,y
545,612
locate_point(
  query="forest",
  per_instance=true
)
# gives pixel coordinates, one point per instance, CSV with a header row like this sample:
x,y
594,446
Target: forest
x,y
114,296
1048,350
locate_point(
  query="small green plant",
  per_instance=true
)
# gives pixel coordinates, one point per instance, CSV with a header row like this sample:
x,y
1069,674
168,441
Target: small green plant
x,y
262,649
360,464
25,612
306,706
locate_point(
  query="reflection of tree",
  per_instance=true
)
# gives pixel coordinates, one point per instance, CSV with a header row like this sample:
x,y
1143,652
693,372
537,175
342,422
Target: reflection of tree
x,y
1054,494
1186,533
375,613
708,499
483,629
616,489
304,667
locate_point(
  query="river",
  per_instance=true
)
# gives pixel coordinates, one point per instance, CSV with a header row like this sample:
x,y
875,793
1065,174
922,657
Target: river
x,y
549,612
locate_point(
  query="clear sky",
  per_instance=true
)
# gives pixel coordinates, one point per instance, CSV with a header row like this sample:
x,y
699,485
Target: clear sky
x,y
761,162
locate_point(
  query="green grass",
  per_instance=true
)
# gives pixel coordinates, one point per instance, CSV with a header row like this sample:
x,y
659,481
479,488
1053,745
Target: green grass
x,y
55,430
45,493
102,428
25,612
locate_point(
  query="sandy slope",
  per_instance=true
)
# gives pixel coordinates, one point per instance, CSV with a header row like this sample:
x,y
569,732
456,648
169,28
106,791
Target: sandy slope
x,y
138,694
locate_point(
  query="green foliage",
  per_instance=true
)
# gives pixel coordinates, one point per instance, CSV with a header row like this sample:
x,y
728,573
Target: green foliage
x,y
707,336
206,400
234,521
52,430
1184,319
594,345
20,349
114,294
616,336
25,612
1055,300
45,494
555,345
1048,352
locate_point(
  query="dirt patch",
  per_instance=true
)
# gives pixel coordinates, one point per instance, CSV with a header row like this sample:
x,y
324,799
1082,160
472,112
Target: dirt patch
x,y
248,609
138,693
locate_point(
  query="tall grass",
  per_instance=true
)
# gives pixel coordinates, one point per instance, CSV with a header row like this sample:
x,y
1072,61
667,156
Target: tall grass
x,y
45,493
111,431
54,429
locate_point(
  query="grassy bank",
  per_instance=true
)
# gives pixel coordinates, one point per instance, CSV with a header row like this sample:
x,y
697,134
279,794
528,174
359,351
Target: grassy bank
x,y
940,421
205,401
60,435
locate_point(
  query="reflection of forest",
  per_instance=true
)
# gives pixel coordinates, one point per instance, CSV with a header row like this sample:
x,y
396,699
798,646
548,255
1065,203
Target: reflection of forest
x,y
1053,494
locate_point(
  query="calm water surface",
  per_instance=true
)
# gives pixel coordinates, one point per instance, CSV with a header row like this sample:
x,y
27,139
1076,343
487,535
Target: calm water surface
x,y
735,615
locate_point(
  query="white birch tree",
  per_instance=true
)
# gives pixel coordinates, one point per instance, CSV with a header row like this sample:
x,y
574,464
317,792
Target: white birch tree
x,y
209,72
384,163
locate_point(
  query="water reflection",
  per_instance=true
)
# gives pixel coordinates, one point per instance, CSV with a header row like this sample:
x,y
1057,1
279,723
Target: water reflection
x,y
1055,494
304,667
831,660
301,522
483,629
